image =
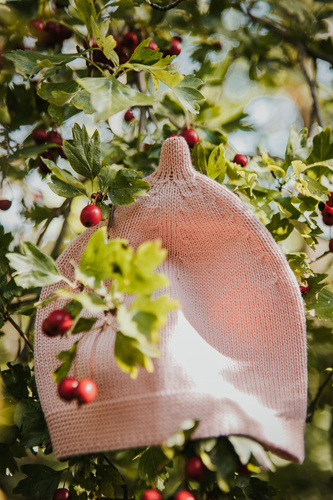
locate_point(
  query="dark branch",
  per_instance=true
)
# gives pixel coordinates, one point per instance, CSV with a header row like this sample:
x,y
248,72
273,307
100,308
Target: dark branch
x,y
313,90
163,7
20,331
313,404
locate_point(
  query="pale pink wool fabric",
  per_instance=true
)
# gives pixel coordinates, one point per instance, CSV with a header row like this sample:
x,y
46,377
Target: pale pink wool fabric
x,y
234,356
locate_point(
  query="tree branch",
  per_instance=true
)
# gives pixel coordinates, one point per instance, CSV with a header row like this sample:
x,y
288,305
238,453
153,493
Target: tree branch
x,y
313,89
312,406
56,247
163,8
20,331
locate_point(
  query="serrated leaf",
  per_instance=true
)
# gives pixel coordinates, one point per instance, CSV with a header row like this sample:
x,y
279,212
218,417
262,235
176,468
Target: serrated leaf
x,y
67,358
108,96
83,325
66,177
105,42
83,152
29,62
40,482
145,59
87,11
129,355
29,418
152,463
61,188
58,93
216,163
187,94
126,186
324,305
35,268
322,147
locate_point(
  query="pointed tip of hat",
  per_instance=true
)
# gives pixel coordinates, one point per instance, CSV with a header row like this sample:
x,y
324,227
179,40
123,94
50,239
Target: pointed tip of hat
x,y
175,158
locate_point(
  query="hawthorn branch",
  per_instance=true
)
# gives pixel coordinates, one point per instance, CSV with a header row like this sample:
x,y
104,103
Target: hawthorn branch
x,y
313,89
56,247
20,331
143,110
163,8
313,404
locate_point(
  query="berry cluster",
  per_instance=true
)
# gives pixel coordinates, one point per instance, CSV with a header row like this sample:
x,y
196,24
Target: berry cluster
x,y
84,390
50,33
327,210
41,136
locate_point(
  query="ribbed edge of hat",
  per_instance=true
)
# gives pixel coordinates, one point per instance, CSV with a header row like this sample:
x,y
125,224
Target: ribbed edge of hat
x,y
126,424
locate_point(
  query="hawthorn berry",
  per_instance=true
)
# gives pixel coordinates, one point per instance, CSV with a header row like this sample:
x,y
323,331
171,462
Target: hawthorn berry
x,y
330,245
173,135
184,495
129,115
41,165
91,215
305,288
36,27
67,388
191,137
321,206
62,494
57,323
152,45
86,390
328,215
241,160
39,135
129,40
175,47
152,495
330,200
55,137
5,204
195,469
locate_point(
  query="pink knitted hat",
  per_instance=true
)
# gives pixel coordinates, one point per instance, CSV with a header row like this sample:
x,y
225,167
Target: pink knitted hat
x,y
233,357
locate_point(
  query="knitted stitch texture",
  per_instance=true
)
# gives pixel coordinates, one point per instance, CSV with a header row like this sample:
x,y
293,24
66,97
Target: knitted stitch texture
x,y
233,357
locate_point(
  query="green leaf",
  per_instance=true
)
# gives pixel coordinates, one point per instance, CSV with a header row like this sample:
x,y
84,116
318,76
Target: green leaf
x,y
216,163
41,481
84,325
108,96
106,176
151,464
324,306
145,59
67,358
29,418
87,11
66,178
7,461
61,188
104,42
199,159
129,354
187,94
322,147
29,62
35,268
126,186
84,153
59,93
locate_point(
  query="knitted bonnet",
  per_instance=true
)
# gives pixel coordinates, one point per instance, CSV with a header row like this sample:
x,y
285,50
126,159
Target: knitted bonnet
x,y
233,356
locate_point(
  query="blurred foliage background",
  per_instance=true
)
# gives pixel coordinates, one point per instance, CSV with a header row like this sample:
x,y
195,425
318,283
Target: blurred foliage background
x,y
259,83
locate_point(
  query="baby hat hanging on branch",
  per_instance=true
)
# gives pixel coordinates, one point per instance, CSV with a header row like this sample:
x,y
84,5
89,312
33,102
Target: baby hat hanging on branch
x,y
232,357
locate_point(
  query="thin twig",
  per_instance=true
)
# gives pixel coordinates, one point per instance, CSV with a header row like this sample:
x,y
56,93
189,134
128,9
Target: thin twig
x,y
313,89
173,121
153,118
320,256
56,247
20,331
163,7
312,406
143,109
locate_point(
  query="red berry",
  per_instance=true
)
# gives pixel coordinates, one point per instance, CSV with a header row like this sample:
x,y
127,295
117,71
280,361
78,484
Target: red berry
x,y
54,136
305,288
191,137
129,115
57,323
39,135
173,135
62,494
175,47
152,45
86,391
52,27
330,245
67,388
195,469
152,495
130,40
241,160
330,200
184,495
5,204
36,26
41,165
65,32
91,215
328,215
